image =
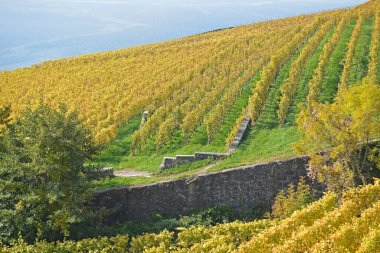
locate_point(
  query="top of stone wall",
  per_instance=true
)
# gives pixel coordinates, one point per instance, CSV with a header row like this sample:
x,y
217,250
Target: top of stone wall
x,y
225,171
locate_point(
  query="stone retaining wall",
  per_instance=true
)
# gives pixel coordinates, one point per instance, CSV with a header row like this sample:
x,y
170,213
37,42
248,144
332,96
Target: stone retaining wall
x,y
241,188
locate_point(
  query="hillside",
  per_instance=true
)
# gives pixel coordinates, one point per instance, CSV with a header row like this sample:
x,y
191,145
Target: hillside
x,y
310,80
198,89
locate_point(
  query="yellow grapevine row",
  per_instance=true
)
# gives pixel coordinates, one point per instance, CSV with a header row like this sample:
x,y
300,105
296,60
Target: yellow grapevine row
x,y
260,92
307,230
370,243
374,53
197,108
278,234
316,81
305,238
186,107
222,102
349,236
217,116
182,100
254,61
344,79
289,86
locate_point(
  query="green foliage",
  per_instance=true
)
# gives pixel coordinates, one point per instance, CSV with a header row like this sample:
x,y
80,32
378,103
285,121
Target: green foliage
x,y
211,216
222,238
115,244
5,114
42,185
348,127
205,217
295,198
161,241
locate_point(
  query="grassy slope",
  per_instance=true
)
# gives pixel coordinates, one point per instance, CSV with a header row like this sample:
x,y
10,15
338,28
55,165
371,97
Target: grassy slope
x,y
259,148
235,112
360,60
256,145
117,152
334,67
265,142
303,87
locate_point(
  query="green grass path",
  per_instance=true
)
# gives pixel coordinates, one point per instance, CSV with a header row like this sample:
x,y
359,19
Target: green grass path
x,y
334,67
361,55
303,85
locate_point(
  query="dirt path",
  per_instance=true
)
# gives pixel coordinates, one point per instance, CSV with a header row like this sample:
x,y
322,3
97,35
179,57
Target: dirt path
x,y
202,172
132,173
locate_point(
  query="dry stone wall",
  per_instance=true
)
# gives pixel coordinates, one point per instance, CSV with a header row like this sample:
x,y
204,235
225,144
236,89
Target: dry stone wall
x,y
242,188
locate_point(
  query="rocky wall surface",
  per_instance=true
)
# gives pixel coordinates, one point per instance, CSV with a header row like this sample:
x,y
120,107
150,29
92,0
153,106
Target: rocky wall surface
x,y
241,188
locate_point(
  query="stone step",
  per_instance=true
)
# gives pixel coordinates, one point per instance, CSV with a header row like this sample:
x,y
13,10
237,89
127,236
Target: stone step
x,y
183,159
170,162
239,136
209,155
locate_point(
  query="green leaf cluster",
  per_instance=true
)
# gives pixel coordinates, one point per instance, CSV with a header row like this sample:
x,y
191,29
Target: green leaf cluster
x,y
43,189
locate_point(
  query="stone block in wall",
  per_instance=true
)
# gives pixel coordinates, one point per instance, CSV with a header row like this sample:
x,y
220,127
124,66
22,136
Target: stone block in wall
x,y
208,155
168,162
98,173
183,159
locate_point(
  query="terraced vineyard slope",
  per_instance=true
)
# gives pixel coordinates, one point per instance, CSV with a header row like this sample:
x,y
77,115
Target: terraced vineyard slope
x,y
197,90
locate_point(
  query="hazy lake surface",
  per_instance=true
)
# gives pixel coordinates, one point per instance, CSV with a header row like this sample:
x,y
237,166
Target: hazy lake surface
x,y
36,30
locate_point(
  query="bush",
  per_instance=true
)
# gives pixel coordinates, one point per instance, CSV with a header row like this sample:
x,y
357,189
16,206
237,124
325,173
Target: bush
x,y
294,199
42,185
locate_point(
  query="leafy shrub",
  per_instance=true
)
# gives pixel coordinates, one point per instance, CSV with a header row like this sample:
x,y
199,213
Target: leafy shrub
x,y
43,190
295,198
211,216
162,241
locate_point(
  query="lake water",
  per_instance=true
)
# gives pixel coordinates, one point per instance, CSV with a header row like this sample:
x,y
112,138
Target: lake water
x,y
36,30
